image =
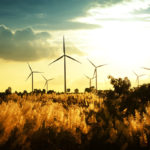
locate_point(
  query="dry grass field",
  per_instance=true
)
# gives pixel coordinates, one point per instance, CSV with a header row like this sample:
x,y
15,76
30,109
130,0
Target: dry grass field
x,y
70,121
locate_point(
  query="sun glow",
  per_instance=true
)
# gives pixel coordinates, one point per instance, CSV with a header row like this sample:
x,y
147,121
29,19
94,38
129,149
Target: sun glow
x,y
122,38
125,44
124,10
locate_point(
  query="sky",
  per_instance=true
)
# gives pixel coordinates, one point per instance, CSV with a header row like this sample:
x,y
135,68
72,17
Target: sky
x,y
113,32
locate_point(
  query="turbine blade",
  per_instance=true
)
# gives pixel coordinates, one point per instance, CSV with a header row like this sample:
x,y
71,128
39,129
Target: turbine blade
x,y
29,67
56,60
141,75
64,50
50,79
101,65
43,77
37,72
29,76
73,59
146,68
135,73
92,78
86,76
91,63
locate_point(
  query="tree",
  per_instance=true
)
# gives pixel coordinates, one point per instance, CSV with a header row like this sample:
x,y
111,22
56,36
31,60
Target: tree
x,y
91,89
76,91
121,86
88,90
68,90
50,91
8,91
43,91
25,92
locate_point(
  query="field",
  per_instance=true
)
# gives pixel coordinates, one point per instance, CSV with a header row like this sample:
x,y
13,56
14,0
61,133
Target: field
x,y
72,122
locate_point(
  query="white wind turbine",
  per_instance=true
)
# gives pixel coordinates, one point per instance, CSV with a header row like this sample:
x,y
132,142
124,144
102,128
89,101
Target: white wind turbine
x,y
90,80
64,56
46,82
95,71
137,78
31,74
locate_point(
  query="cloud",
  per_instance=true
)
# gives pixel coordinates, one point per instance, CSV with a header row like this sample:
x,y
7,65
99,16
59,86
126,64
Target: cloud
x,y
53,14
67,25
67,14
26,45
105,3
28,35
117,11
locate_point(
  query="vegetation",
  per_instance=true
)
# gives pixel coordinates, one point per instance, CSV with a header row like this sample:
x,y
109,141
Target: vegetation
x,y
36,121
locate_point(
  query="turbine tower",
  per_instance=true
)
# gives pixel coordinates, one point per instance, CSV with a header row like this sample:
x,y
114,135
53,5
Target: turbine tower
x,y
137,78
95,71
90,79
31,74
64,56
46,82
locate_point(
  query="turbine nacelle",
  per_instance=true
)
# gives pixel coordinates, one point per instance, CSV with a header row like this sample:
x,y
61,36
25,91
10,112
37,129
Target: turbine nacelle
x,y
88,77
64,56
138,75
95,65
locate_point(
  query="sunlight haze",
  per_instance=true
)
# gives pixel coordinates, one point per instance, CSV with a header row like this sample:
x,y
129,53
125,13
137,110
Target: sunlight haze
x,y
115,33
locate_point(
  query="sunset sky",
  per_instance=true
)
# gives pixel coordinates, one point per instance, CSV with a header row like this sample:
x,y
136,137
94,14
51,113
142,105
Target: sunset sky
x,y
113,32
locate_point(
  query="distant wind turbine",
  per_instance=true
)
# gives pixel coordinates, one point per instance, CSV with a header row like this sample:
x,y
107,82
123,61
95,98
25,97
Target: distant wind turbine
x,y
46,82
90,79
64,56
31,74
95,71
137,78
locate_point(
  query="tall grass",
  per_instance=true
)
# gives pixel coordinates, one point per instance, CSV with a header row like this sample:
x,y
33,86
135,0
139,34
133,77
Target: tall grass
x,y
81,121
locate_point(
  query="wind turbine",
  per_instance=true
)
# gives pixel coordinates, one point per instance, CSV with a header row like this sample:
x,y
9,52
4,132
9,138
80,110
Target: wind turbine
x,y
46,83
137,77
95,71
31,74
64,56
90,79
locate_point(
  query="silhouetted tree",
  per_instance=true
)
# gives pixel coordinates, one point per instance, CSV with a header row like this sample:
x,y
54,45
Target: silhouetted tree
x,y
88,90
43,91
121,86
8,91
25,92
142,92
76,91
68,90
50,91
